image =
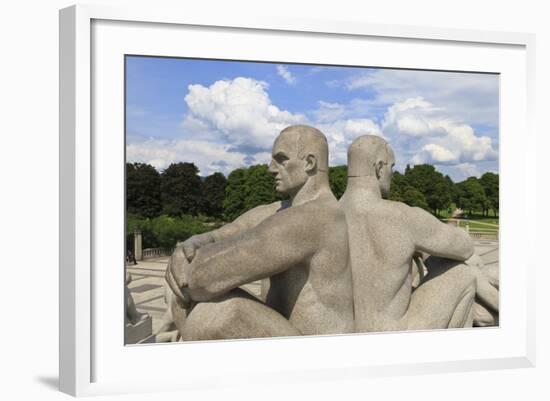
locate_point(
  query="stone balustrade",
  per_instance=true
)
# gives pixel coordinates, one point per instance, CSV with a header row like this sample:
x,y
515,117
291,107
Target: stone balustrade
x,y
149,253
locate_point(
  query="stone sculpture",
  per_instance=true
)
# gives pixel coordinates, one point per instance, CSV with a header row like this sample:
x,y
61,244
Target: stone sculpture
x,y
385,236
138,326
359,265
300,245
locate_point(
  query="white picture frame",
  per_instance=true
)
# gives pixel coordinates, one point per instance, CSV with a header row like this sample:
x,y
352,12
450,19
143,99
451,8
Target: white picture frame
x,y
91,40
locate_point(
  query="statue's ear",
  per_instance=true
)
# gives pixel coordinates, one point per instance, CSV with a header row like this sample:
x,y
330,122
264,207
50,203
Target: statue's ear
x,y
379,166
311,163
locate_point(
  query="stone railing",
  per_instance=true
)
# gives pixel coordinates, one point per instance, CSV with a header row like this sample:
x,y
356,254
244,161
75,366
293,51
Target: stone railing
x,y
488,231
149,253
488,235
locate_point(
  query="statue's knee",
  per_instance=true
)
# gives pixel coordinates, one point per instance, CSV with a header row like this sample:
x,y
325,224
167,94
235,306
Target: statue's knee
x,y
213,320
229,313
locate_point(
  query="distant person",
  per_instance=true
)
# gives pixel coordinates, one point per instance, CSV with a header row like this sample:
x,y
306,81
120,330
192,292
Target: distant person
x,y
130,258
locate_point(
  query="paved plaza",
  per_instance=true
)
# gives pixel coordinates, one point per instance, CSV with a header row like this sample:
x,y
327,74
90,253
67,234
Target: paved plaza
x,y
147,286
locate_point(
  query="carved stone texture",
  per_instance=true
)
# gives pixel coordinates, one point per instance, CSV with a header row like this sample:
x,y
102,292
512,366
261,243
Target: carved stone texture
x,y
138,326
384,238
299,245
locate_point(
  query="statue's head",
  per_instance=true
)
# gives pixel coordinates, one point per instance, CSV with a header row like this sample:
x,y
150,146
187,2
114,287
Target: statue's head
x,y
371,155
299,152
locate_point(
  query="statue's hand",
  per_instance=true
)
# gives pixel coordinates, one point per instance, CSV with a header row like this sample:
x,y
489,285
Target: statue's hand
x,y
193,243
176,277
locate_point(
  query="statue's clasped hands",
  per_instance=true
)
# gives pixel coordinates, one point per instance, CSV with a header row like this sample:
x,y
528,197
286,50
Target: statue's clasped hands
x,y
176,276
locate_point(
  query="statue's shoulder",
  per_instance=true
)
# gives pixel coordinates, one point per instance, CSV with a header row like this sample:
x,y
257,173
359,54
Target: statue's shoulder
x,y
271,208
399,208
314,209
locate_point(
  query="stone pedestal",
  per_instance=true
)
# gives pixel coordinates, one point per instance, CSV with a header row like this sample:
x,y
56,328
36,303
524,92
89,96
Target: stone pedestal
x,y
137,333
138,248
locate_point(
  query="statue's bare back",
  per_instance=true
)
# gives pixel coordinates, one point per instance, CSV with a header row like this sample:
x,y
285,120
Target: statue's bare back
x,y
384,236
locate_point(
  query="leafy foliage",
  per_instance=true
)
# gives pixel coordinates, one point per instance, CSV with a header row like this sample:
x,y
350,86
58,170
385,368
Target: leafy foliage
x,y
398,187
181,190
164,231
490,183
432,184
338,179
471,195
142,190
259,187
235,196
179,193
247,188
413,197
214,194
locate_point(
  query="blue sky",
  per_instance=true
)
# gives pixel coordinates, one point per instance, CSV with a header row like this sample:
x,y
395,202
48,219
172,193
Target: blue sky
x,y
222,115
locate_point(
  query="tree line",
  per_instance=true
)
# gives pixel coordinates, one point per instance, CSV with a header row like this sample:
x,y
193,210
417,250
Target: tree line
x,y
173,204
425,187
179,190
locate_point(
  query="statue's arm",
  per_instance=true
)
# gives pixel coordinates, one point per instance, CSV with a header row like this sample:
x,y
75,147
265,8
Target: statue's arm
x,y
244,222
436,238
275,245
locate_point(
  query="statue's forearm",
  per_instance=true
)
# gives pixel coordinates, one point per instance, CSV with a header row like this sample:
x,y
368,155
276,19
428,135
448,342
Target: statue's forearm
x,y
219,268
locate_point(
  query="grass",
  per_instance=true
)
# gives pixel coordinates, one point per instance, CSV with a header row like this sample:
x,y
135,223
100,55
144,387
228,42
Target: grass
x,y
477,221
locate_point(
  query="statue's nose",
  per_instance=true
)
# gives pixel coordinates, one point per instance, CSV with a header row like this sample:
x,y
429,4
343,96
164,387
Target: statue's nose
x,y
272,168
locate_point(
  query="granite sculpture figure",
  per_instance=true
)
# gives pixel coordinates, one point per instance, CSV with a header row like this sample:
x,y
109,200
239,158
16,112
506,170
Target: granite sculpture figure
x,y
299,245
138,326
385,236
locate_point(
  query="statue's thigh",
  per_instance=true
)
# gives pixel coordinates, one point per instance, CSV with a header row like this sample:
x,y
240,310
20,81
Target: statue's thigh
x,y
446,295
235,315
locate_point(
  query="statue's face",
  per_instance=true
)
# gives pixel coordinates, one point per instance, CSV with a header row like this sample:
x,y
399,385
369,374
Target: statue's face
x,y
386,174
286,167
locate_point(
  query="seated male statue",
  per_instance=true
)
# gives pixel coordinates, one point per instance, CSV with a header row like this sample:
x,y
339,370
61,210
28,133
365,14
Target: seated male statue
x,y
385,236
300,245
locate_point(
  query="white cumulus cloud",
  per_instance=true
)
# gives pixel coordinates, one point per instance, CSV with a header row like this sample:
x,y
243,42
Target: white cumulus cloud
x,y
472,97
341,133
440,139
209,157
432,153
238,111
286,74
233,123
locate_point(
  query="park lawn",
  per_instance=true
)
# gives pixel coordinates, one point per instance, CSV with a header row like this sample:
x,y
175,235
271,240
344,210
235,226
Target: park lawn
x,y
477,221
474,225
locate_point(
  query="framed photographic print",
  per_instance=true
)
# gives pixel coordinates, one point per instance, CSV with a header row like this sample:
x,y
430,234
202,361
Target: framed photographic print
x,y
227,143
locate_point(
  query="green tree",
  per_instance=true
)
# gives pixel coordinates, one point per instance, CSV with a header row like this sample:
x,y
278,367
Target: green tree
x,y
142,190
214,194
338,179
439,197
413,197
169,230
432,184
234,202
471,195
259,187
181,189
452,191
398,187
490,183
143,224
